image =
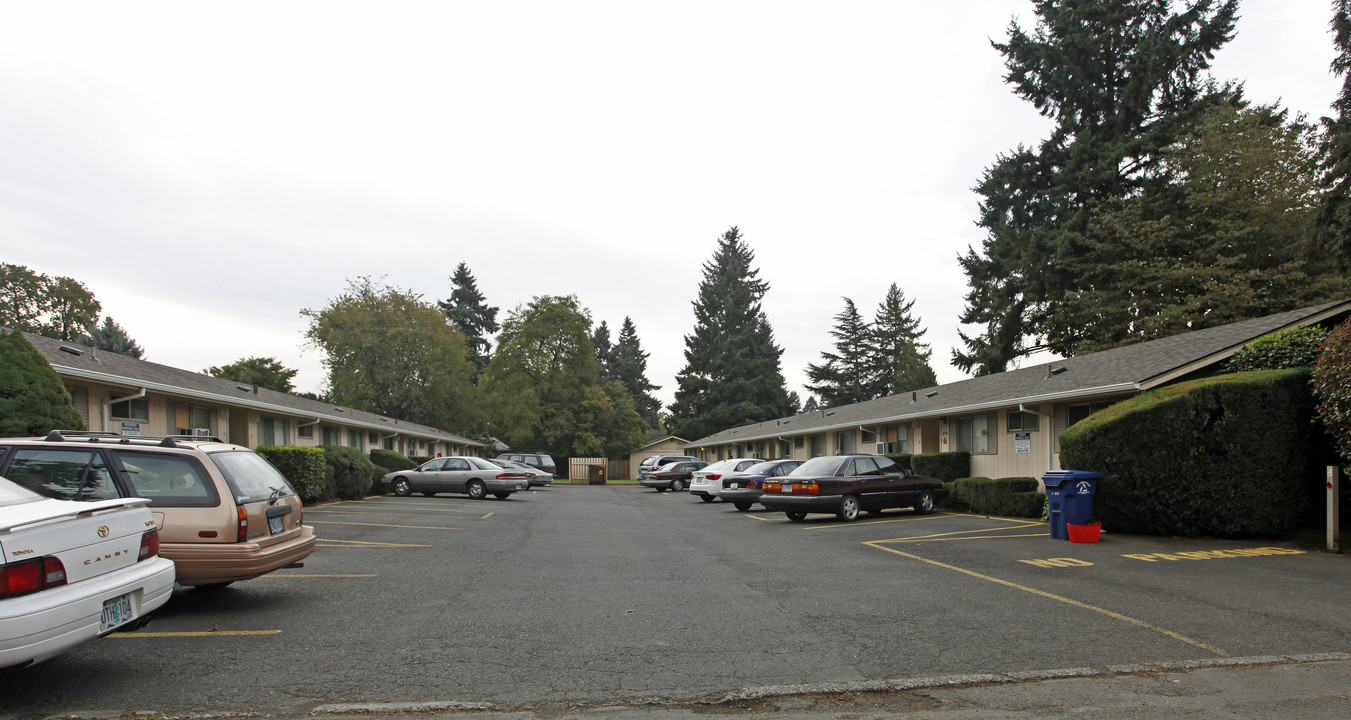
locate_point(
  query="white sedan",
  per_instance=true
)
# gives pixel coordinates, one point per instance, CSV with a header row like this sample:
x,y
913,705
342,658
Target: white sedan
x,y
706,484
74,571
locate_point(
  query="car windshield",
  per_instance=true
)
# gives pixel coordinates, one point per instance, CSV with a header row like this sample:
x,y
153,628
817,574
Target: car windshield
x,y
764,468
11,494
819,466
252,477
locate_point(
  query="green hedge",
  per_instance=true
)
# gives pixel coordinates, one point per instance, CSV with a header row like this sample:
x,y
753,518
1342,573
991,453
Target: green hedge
x,y
1013,497
352,472
303,467
944,466
1223,456
902,460
391,460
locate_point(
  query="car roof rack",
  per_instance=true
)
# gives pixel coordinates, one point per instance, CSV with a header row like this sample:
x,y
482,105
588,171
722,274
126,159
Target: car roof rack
x,y
168,439
91,435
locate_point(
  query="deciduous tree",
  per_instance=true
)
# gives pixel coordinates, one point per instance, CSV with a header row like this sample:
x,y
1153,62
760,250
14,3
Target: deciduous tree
x,y
265,372
61,308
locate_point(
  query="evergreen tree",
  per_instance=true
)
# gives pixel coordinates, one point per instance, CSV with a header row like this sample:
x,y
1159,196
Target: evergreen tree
x,y
466,310
628,366
600,339
846,376
795,401
732,374
898,361
811,405
33,401
1121,80
1334,219
114,338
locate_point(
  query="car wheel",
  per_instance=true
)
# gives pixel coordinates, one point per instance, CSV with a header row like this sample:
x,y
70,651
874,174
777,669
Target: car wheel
x,y
796,515
925,504
476,489
743,506
677,486
848,511
402,488
501,496
706,498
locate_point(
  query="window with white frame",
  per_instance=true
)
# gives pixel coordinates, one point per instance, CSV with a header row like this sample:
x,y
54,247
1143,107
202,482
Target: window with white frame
x,y
133,409
899,444
305,431
869,436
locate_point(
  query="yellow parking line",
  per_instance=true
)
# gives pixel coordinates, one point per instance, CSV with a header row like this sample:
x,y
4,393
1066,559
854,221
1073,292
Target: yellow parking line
x,y
903,518
330,542
406,527
1058,598
913,538
485,517
205,633
955,539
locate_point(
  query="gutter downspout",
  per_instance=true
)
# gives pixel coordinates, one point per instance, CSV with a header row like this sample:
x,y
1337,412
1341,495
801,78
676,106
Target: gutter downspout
x,y
108,406
1050,434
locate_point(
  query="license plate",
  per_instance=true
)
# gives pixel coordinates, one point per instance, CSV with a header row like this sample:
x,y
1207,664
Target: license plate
x,y
116,611
788,488
274,525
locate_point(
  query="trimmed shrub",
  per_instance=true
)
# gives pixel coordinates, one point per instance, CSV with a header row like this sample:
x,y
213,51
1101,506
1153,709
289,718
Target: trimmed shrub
x,y
351,471
1223,456
303,467
1290,348
944,466
33,401
391,460
1014,497
902,460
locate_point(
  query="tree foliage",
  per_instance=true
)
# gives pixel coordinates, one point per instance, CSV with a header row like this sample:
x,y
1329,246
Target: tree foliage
x,y
542,390
1121,81
33,401
732,374
1290,348
467,309
1224,232
1332,387
265,372
113,337
899,361
628,366
1334,219
61,308
388,352
847,376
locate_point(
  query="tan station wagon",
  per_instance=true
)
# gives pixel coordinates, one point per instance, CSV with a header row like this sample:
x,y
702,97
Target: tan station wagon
x,y
223,512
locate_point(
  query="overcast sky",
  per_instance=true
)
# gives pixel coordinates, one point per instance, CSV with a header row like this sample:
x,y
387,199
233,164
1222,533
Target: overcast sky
x,y
210,169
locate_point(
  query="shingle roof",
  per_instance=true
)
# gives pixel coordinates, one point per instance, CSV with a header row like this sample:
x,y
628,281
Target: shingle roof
x,y
1131,368
125,371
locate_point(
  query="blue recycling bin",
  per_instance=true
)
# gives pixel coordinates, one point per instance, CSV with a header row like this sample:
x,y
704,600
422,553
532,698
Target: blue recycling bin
x,y
1069,499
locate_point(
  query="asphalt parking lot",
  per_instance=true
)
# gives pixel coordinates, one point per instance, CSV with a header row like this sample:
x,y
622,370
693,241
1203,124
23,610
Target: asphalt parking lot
x,y
579,596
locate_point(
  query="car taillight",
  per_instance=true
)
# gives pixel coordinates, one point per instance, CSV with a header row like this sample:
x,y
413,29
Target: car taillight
x,y
300,514
149,545
32,576
510,476
714,477
243,534
806,488
773,487
752,484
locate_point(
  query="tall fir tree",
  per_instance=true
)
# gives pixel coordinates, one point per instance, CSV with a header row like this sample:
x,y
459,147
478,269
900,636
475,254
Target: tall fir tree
x,y
1334,218
899,362
628,366
467,310
113,337
847,375
1121,80
600,339
732,374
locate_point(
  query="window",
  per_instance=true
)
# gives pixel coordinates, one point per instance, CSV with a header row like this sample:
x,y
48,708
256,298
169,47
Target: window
x,y
1075,413
63,474
973,435
354,438
133,409
869,437
271,431
330,436
799,442
818,445
844,441
863,466
172,480
899,444
1022,421
373,438
457,464
305,431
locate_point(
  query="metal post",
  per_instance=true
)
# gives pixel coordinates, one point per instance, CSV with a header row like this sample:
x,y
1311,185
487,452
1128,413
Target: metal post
x,y
1334,508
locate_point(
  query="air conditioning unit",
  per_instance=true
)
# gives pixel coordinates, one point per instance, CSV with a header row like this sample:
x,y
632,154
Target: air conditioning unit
x,y
202,432
881,448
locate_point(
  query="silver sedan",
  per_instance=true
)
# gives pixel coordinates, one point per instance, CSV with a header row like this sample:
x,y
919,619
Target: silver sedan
x,y
472,476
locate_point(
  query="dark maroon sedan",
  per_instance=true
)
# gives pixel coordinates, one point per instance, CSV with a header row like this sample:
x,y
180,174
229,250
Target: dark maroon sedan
x,y
845,484
672,476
